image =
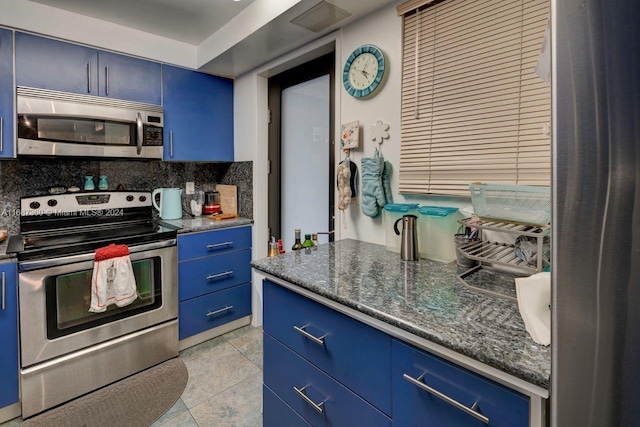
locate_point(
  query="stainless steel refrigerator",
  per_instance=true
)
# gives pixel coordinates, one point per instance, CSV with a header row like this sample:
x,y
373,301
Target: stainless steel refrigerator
x,y
595,378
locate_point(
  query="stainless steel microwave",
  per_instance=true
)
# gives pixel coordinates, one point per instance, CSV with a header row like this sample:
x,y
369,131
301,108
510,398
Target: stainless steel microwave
x,y
52,123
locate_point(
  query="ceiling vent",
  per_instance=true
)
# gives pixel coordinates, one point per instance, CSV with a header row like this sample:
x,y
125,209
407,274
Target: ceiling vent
x,y
321,16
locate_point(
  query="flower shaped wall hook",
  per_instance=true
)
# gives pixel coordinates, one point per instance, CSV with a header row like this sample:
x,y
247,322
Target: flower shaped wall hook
x,y
379,131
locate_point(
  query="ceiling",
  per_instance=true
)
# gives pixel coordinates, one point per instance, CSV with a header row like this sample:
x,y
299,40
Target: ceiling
x,y
230,37
189,21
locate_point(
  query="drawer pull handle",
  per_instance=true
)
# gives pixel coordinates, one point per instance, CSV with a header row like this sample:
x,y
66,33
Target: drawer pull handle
x,y
471,411
4,286
308,335
221,310
215,276
303,395
217,245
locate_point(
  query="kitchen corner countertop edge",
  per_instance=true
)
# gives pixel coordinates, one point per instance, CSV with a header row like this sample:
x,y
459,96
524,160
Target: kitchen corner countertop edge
x,y
202,223
422,298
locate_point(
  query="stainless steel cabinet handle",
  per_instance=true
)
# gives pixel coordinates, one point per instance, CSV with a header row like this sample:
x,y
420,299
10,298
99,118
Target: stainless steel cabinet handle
x,y
88,77
140,133
170,143
106,77
308,335
1,135
3,290
217,245
215,276
471,411
303,395
212,313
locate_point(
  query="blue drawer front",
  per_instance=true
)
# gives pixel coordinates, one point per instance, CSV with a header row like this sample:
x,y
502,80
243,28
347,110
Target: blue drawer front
x,y
197,245
284,370
355,354
205,275
276,413
413,406
192,314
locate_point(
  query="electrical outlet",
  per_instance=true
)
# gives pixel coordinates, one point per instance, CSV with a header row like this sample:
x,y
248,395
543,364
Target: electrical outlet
x,y
190,188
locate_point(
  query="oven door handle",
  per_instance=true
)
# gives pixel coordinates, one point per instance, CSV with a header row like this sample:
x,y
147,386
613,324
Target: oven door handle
x,y
46,263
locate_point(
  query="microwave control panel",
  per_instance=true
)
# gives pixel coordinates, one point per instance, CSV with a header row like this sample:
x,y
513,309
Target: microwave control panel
x,y
153,135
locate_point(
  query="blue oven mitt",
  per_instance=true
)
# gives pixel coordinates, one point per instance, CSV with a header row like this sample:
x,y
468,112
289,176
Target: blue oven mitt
x,y
386,182
373,198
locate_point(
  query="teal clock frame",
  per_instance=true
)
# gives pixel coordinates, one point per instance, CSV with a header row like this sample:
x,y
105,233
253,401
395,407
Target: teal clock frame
x,y
361,93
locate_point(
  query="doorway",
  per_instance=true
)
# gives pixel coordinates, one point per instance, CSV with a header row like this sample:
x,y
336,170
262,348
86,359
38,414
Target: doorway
x,y
301,151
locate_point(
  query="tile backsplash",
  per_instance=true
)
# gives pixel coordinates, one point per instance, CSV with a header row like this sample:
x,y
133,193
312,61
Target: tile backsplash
x,y
31,177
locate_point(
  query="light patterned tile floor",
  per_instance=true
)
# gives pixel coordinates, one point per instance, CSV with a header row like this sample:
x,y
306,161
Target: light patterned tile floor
x,y
224,387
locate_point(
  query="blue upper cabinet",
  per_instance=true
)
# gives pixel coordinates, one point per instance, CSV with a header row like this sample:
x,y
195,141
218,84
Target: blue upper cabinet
x,y
198,116
51,64
132,79
6,93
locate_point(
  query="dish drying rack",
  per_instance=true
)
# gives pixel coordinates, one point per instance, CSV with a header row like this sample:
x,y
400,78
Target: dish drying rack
x,y
496,253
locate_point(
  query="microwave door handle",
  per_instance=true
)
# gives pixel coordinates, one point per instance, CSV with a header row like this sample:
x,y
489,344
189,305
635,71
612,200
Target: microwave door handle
x,y
139,133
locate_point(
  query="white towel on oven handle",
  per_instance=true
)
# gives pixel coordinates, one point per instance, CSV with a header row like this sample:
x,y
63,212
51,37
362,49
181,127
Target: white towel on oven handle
x,y
112,282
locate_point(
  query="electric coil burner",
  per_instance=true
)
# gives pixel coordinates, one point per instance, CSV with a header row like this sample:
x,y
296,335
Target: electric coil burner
x,y
67,351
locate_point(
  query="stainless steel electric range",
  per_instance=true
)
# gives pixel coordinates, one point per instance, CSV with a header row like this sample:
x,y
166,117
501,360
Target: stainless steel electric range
x,y
66,350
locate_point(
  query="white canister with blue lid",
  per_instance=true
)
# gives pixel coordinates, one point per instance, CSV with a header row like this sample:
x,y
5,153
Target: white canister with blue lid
x,y
436,227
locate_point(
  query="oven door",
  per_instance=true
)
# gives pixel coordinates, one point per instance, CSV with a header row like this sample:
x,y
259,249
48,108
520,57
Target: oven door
x,y
54,303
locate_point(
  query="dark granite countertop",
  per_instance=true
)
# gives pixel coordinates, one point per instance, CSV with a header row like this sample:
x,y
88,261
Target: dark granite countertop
x,y
202,223
423,298
3,250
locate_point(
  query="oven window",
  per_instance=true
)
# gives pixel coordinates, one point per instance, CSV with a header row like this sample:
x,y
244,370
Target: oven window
x,y
94,131
68,297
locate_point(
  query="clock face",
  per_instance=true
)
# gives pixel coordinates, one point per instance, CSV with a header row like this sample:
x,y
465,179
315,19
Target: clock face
x,y
363,71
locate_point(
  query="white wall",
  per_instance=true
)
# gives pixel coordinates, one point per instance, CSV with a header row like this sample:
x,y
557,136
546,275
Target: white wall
x,y
383,29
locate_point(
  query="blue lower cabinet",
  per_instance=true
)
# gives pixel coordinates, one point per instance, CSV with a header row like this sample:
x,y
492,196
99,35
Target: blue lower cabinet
x,y
318,398
355,354
205,275
209,311
207,243
418,377
276,413
9,334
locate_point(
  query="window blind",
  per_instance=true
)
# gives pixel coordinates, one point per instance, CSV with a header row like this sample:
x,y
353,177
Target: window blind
x,y
472,107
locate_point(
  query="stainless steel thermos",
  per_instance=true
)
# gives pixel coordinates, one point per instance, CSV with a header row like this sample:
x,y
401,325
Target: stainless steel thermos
x,y
409,244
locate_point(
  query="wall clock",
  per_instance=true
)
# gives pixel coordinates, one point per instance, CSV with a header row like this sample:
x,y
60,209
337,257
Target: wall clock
x,y
363,71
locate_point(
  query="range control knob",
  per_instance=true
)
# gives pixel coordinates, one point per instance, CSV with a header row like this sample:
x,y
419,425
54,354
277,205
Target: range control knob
x,y
129,198
34,205
143,198
52,202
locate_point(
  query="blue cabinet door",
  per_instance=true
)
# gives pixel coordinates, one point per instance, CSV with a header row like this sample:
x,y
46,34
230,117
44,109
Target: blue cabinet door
x,y
215,309
51,64
131,79
9,334
6,93
276,413
198,116
207,243
414,372
317,397
215,273
353,353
